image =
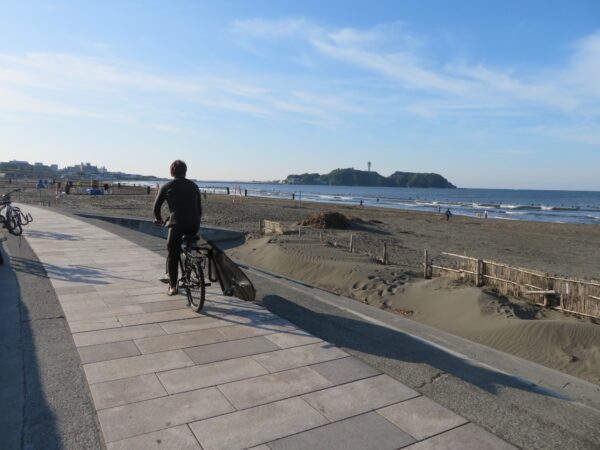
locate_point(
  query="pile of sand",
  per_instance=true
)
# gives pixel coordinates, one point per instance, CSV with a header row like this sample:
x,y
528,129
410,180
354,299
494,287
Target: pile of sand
x,y
547,337
326,220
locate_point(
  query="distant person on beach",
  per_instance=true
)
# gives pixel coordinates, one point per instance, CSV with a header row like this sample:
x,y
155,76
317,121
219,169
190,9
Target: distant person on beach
x,y
448,214
40,185
185,207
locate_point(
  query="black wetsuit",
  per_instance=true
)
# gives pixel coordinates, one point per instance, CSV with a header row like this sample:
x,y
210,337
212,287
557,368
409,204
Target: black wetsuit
x,y
185,206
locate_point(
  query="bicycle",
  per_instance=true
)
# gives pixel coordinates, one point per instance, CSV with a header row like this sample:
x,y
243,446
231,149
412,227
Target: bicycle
x,y
193,261
13,218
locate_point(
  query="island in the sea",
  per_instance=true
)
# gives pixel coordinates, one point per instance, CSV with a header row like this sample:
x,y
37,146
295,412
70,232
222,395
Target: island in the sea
x,y
353,177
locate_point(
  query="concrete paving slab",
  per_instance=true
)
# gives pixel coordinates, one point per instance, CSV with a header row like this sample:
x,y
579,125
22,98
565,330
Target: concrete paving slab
x,y
299,356
117,334
257,329
135,365
194,324
272,387
180,438
221,372
344,370
105,323
148,290
164,305
104,311
365,432
122,298
257,425
82,305
354,398
466,437
421,417
293,339
230,349
75,297
127,390
136,419
161,316
75,289
105,352
180,340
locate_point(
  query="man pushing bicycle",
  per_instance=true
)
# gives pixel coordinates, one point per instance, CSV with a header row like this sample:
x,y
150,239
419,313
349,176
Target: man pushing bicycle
x,y
185,207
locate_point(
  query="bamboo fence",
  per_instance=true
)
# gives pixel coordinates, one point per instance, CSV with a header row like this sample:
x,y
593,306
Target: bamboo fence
x,y
565,294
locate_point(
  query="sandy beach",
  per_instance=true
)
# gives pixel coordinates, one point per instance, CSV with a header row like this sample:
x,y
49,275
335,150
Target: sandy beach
x,y
551,338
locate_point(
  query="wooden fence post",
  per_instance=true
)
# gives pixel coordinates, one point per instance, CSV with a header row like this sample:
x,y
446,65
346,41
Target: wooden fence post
x,y
299,231
425,264
260,227
321,235
351,243
384,257
479,273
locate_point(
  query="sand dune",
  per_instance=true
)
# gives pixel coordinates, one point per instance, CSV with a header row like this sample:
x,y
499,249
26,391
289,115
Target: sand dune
x,y
547,337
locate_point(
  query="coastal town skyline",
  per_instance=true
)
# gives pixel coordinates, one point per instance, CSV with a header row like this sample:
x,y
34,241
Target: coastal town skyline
x,y
502,96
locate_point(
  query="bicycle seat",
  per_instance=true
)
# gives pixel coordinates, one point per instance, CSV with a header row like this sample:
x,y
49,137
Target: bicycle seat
x,y
191,238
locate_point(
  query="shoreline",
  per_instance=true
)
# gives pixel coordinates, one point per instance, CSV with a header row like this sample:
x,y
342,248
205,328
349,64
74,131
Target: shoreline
x,y
548,206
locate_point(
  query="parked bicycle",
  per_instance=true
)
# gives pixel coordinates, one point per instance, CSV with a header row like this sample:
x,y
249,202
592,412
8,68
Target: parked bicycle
x,y
11,217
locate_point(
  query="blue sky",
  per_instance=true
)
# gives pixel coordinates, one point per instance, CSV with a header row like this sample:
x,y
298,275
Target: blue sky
x,y
489,94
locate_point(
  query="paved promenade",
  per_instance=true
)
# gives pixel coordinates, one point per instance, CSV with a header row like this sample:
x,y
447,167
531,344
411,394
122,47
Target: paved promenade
x,y
235,376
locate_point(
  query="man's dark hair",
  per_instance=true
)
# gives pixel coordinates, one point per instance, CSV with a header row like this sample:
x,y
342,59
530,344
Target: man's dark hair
x,y
178,169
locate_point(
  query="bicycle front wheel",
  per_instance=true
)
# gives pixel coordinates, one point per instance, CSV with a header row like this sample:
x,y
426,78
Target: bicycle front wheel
x,y
13,223
195,288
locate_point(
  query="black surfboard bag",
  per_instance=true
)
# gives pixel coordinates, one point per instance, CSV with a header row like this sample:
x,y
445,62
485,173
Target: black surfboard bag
x,y
232,279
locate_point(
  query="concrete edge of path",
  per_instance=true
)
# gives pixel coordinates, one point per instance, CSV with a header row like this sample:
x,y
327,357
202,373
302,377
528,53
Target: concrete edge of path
x,y
146,226
57,407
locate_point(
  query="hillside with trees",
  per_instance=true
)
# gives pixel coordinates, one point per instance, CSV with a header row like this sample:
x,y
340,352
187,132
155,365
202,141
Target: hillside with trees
x,y
353,177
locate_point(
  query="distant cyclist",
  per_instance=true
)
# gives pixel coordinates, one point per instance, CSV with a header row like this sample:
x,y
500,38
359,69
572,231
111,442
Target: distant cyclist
x,y
185,207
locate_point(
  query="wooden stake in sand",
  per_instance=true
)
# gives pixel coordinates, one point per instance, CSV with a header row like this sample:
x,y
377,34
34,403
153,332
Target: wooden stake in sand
x,y
351,243
384,257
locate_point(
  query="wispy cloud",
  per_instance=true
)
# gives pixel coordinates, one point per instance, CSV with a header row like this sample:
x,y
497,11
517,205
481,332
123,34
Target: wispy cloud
x,y
442,86
67,84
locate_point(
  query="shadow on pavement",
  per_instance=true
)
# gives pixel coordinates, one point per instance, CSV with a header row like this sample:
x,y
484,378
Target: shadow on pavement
x,y
26,420
56,410
360,335
74,274
52,235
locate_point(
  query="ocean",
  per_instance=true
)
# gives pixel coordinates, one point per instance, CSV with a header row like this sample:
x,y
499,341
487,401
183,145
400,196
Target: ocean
x,y
506,204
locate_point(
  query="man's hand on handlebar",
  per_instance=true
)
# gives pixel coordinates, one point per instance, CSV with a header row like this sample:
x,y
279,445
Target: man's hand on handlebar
x,y
158,222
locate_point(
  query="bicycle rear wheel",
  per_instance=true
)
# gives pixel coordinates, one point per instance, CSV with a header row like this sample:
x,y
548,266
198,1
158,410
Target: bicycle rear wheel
x,y
195,288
